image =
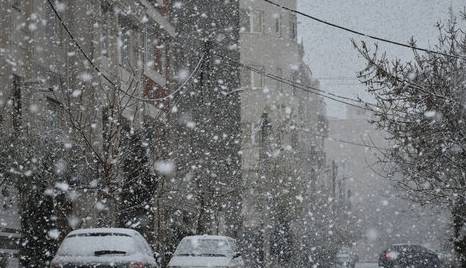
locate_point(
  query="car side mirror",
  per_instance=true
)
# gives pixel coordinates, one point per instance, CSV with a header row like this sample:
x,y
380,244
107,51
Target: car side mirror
x,y
236,255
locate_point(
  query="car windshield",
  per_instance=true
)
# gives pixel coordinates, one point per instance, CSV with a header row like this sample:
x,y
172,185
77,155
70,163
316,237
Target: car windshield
x,y
204,247
97,244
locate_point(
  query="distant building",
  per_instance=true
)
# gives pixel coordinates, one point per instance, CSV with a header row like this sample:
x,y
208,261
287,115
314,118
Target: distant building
x,y
383,217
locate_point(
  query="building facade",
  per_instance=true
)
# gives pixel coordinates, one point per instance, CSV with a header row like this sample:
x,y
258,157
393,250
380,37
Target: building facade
x,y
207,117
283,125
243,146
93,109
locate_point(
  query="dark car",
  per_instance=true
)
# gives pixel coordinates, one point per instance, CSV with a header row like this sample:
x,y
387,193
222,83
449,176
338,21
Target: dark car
x,y
407,255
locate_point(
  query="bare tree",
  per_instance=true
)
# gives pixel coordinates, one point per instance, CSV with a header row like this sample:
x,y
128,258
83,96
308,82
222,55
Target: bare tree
x,y
421,105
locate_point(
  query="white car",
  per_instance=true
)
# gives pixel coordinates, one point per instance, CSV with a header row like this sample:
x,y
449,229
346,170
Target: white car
x,y
105,248
207,251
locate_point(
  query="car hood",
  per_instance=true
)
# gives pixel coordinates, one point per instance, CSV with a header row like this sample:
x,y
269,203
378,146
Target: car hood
x,y
199,261
104,259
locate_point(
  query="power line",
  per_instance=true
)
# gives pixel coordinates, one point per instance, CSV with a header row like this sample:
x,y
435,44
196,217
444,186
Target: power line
x,y
307,88
342,140
351,143
337,78
313,90
100,73
364,34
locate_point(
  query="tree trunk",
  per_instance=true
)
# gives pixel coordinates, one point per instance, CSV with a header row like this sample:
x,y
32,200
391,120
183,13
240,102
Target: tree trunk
x,y
204,221
459,227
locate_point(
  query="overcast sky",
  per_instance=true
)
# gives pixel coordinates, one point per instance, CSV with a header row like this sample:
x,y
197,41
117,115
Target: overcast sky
x,y
330,53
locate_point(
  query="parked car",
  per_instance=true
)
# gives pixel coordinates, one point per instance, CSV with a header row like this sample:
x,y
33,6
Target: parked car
x,y
346,258
105,248
407,255
207,251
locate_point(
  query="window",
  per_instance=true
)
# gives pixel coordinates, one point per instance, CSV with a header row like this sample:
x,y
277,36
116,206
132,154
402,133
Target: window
x,y
278,24
257,21
104,42
51,30
293,27
105,29
245,77
124,43
163,6
160,58
257,77
245,21
53,113
253,79
152,50
252,21
294,140
279,74
124,47
295,79
148,48
17,4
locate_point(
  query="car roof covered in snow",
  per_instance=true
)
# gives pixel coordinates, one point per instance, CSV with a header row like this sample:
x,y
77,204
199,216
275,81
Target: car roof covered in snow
x,y
125,231
404,245
213,237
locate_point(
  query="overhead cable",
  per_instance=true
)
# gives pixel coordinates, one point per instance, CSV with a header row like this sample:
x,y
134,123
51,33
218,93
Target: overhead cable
x,y
385,40
306,88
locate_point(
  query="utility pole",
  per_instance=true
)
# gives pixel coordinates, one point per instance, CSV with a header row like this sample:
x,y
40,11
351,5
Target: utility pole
x,y
264,176
17,109
205,187
334,179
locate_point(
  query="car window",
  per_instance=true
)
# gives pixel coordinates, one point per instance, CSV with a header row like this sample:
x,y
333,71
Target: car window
x,y
143,245
148,248
233,245
91,244
402,248
204,247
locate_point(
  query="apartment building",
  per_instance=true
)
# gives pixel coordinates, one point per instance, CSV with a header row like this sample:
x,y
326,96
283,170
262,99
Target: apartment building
x,y
207,118
84,107
283,129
